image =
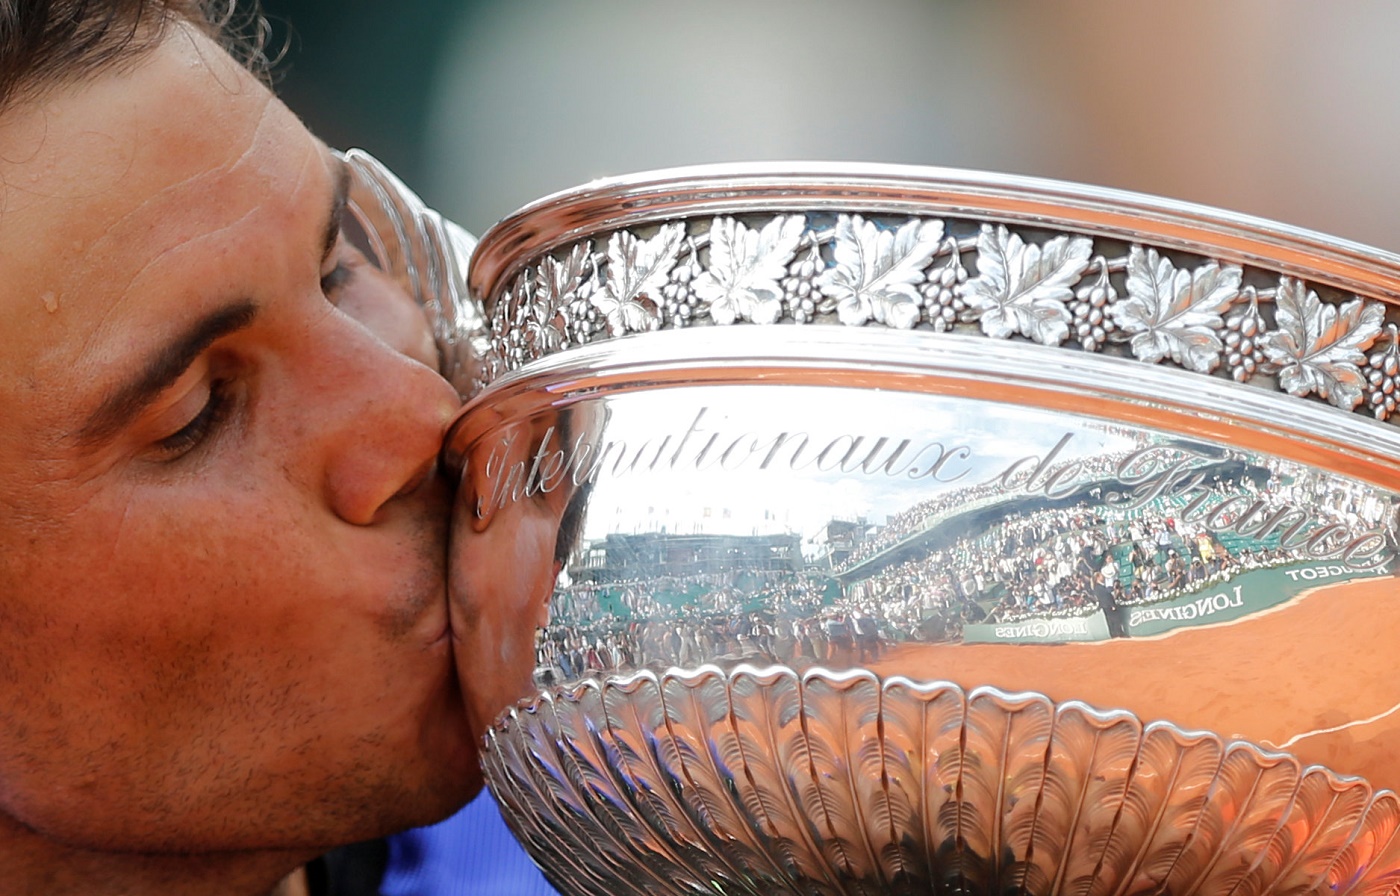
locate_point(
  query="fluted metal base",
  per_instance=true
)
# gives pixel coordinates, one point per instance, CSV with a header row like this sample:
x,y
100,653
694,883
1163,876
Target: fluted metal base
x,y
766,781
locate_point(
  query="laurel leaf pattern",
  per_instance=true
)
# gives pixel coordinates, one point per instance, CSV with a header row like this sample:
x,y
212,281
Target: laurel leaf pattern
x,y
600,855
533,816
877,271
1091,760
922,727
637,270
1166,797
742,281
739,748
983,768
591,766
1173,313
635,715
1318,347
1323,818
1026,748
833,708
548,752
1370,863
884,819
765,708
1023,287
697,709
752,799
588,766
1246,815
795,754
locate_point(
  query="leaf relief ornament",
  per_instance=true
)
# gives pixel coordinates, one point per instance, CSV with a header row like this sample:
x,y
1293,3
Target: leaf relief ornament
x,y
744,279
1318,347
556,286
878,272
509,322
630,300
1023,287
1174,313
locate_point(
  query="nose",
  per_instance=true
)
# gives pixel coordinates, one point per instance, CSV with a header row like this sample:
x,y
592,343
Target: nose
x,y
392,413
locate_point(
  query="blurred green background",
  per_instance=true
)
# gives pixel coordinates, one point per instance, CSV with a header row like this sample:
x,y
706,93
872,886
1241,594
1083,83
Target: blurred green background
x,y
361,72
1281,108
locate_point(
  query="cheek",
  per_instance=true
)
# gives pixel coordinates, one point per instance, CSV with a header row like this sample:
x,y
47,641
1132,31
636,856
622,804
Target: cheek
x,y
181,643
144,587
111,650
131,592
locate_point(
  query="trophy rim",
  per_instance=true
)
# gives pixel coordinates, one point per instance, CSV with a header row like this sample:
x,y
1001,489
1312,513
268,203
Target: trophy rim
x,y
754,187
1013,374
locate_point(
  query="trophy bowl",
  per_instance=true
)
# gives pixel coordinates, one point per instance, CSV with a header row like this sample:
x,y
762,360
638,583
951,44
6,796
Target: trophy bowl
x,y
869,529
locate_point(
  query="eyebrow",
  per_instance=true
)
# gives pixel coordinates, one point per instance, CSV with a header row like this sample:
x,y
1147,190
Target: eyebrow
x,y
161,370
336,217
170,362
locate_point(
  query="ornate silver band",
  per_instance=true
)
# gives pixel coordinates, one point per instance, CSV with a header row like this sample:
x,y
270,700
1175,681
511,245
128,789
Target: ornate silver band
x,y
936,251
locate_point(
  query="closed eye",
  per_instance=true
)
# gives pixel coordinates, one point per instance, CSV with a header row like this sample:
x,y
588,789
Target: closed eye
x,y
200,427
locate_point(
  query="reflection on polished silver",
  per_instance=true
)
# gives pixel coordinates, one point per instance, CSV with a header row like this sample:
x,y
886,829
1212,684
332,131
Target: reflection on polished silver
x,y
890,606
426,254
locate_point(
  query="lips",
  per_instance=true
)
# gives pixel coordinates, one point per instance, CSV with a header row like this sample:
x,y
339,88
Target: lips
x,y
428,604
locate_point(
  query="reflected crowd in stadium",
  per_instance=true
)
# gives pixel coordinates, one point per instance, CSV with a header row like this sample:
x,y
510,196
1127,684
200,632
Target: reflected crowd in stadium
x,y
968,557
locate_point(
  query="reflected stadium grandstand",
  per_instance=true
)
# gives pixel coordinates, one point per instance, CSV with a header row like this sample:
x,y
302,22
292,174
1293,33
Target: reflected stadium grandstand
x,y
1145,540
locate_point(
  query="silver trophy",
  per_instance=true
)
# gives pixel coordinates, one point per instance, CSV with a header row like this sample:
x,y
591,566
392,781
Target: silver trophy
x,y
893,530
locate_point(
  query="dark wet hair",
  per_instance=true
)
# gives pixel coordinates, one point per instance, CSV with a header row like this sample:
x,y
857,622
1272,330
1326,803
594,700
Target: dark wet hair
x,y
44,43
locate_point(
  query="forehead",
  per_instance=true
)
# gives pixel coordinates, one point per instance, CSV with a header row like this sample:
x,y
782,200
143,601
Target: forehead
x,y
116,191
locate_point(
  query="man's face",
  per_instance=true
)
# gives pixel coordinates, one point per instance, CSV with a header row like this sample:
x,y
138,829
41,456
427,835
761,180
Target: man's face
x,y
222,611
